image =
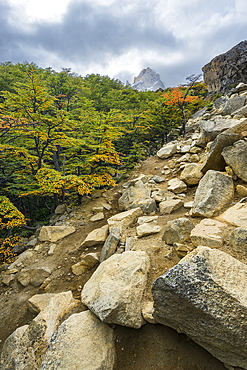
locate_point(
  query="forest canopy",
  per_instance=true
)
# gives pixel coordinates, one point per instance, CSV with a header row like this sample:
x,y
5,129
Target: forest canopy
x,y
63,136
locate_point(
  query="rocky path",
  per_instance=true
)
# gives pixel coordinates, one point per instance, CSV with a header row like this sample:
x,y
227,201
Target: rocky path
x,y
169,205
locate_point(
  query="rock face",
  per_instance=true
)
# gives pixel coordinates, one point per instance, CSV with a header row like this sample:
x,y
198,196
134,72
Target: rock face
x,y
114,292
148,80
227,69
214,191
81,342
205,297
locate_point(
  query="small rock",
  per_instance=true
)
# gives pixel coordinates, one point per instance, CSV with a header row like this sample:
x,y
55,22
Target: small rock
x,y
235,215
176,186
147,313
111,243
169,206
33,277
61,208
96,237
167,151
241,190
88,261
147,229
55,233
177,230
97,209
146,219
7,279
99,216
157,179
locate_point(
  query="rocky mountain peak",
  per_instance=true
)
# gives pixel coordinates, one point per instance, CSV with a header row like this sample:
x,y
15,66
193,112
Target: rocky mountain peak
x,y
148,80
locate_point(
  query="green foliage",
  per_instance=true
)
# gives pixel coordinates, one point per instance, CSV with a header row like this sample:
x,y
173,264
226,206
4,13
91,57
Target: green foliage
x,y
63,136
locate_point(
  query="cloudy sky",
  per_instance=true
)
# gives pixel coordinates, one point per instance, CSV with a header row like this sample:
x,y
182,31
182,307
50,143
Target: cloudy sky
x,y
119,38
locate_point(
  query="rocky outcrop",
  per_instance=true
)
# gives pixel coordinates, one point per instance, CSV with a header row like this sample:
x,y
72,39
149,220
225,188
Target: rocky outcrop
x,y
148,80
204,296
227,69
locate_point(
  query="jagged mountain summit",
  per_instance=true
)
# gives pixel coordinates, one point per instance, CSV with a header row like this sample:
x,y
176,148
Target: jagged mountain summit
x,y
148,80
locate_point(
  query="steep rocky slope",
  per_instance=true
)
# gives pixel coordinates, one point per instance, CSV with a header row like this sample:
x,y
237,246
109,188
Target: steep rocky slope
x,y
188,201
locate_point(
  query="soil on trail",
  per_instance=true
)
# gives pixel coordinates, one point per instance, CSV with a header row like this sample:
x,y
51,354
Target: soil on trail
x,y
153,347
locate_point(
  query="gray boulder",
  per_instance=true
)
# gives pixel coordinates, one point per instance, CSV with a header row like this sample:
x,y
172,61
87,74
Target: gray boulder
x,y
205,297
114,292
214,190
214,160
177,231
135,197
236,157
81,342
233,104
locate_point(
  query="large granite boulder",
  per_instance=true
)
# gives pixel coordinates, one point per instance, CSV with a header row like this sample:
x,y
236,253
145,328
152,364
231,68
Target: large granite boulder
x,y
123,220
26,347
114,292
211,129
227,69
81,342
235,215
208,233
214,190
236,157
205,297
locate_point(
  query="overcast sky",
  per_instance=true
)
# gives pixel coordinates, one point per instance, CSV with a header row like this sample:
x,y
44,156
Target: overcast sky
x,y
119,38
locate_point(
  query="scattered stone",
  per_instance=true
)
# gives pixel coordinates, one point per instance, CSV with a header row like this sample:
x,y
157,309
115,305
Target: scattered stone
x,y
74,345
55,233
238,239
240,113
185,149
235,215
191,174
189,205
33,277
51,250
235,156
147,313
146,219
124,219
140,179
99,216
176,186
158,195
168,206
241,190
147,229
177,230
111,243
114,292
167,151
107,206
158,179
88,261
184,158
214,190
97,209
195,150
199,309
208,233
96,237
96,195
182,249
194,158
60,209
